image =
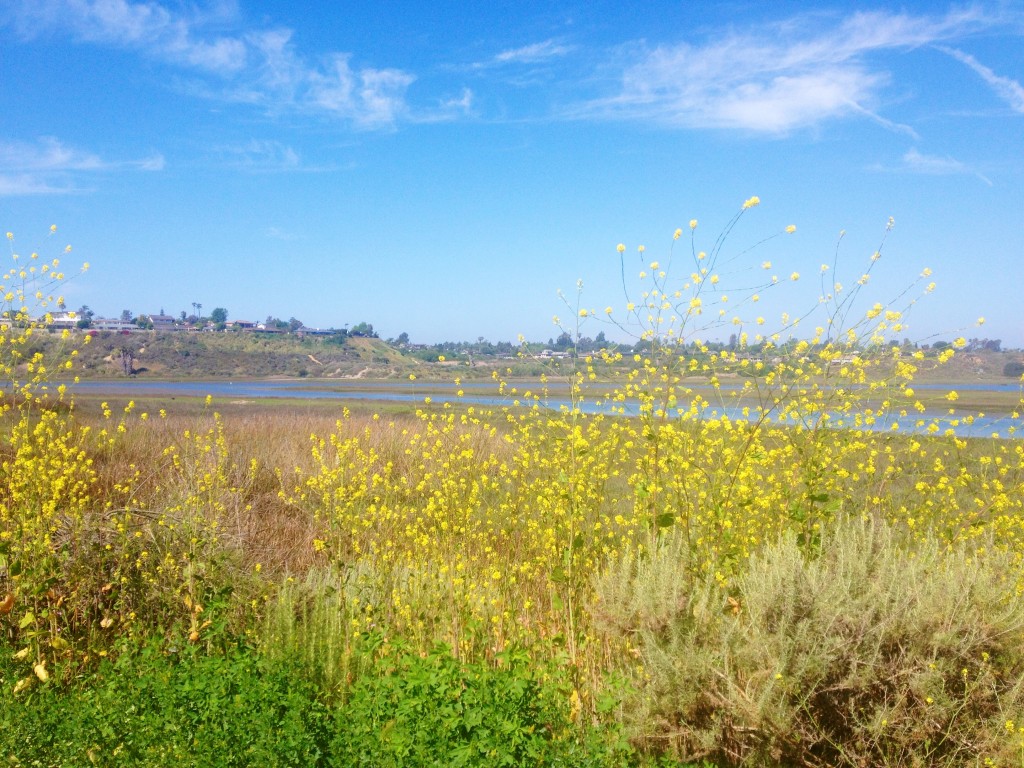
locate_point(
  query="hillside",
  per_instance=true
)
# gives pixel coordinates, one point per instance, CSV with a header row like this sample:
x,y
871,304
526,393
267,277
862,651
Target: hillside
x,y
162,355
176,354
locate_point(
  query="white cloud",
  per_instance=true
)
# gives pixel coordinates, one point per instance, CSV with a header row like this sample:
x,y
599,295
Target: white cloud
x,y
531,54
935,165
464,103
256,67
932,163
153,163
262,155
785,101
14,185
49,154
369,97
144,25
1007,89
49,166
447,109
278,69
777,78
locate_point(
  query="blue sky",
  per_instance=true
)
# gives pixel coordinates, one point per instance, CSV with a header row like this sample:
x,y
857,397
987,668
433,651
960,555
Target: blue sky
x,y
444,168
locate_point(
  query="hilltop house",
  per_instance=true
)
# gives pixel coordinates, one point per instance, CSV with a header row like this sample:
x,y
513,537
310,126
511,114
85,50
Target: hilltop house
x,y
63,320
113,324
162,322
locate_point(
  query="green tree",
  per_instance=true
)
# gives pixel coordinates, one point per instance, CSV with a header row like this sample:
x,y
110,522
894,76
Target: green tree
x,y
1016,370
219,315
85,316
363,329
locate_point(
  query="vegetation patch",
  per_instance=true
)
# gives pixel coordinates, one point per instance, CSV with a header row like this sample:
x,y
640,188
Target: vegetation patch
x,y
767,550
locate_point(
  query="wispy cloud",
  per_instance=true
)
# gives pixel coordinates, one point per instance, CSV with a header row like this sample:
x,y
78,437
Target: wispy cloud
x,y
464,103
778,78
369,97
49,166
935,165
50,154
19,184
260,67
447,109
276,233
144,25
1007,89
531,54
261,155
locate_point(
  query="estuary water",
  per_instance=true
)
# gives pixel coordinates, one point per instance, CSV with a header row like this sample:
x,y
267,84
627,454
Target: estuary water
x,y
483,393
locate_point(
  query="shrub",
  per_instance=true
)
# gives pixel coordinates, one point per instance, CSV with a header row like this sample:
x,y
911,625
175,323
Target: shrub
x,y
874,652
1014,370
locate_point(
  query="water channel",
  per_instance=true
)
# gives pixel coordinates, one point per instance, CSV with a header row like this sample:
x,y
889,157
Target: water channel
x,y
483,393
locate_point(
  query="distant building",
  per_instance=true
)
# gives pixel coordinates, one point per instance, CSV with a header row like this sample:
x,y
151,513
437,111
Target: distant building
x,y
113,324
63,320
162,322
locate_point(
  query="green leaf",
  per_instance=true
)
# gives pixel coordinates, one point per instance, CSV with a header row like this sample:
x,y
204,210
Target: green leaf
x,y
27,620
665,520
